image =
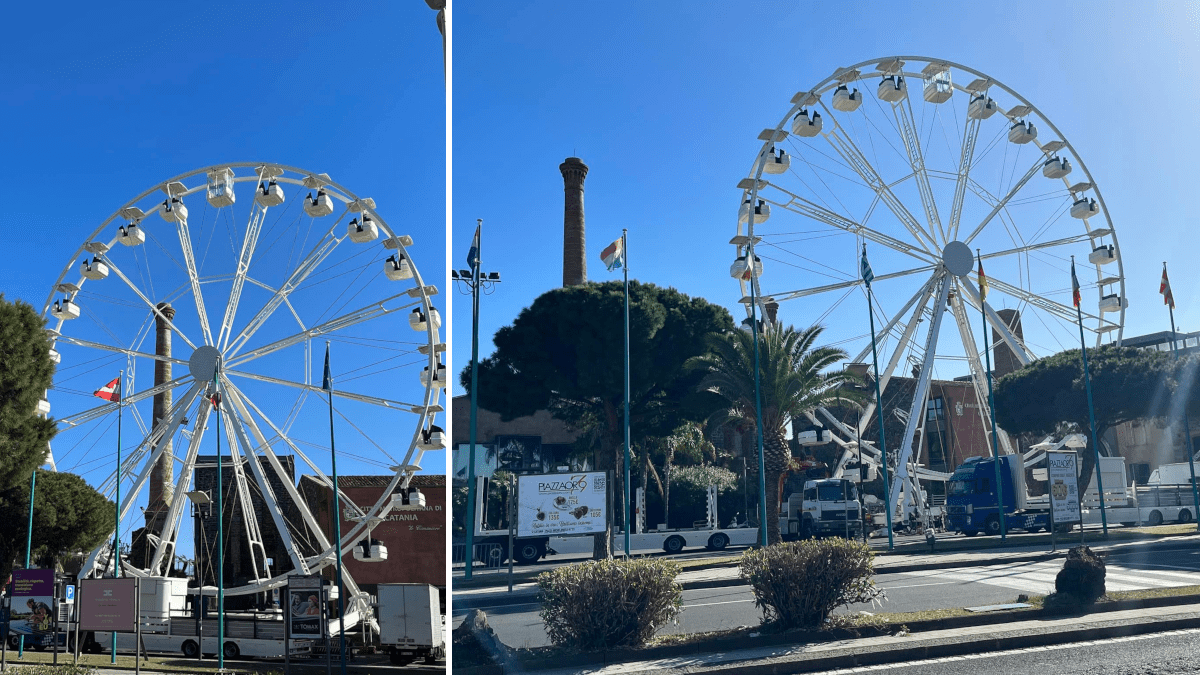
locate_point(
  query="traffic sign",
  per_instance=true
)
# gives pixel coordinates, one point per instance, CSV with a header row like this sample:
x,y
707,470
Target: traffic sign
x,y
69,598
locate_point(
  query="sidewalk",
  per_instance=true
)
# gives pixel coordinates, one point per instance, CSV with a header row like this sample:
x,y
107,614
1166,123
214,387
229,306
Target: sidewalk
x,y
718,577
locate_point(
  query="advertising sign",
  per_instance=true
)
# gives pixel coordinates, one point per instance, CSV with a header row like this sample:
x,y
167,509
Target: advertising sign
x,y
31,608
304,606
561,504
1064,487
108,604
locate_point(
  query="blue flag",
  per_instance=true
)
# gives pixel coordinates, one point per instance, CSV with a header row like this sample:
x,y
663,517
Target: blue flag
x,y
473,254
327,381
867,274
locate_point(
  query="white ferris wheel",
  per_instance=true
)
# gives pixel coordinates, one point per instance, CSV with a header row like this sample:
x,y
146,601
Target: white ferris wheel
x,y
254,266
925,162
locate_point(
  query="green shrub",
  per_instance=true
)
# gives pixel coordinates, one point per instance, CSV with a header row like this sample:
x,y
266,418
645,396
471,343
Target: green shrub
x,y
64,669
798,584
602,604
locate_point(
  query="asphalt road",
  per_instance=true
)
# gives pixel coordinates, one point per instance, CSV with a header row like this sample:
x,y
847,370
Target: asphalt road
x,y
1170,653
732,607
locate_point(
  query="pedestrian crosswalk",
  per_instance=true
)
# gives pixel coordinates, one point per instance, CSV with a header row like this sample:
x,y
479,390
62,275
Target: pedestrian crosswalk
x,y
1038,577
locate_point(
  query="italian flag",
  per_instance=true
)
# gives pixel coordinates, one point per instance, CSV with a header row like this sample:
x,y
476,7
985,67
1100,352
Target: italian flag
x,y
110,391
613,255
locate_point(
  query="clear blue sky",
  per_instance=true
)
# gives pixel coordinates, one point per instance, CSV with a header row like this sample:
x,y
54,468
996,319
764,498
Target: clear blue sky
x,y
664,102
103,101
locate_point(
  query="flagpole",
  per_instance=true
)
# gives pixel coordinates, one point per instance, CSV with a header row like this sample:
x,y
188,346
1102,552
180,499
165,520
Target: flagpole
x,y
1187,429
117,515
887,483
29,544
337,517
1087,380
474,262
625,495
216,400
987,355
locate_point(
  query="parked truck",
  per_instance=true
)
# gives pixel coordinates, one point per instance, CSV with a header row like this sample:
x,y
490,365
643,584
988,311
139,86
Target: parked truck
x,y
821,508
410,623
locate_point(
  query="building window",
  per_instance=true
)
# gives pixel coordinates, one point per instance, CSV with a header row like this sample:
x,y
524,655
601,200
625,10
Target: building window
x,y
934,410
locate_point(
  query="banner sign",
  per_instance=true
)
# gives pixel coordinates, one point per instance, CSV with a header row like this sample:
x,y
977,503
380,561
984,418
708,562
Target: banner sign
x,y
304,606
561,504
108,604
32,601
1064,487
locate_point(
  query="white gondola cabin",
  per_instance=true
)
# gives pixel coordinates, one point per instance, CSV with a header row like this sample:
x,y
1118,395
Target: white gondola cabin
x,y
1084,208
1022,132
396,268
43,408
64,309
893,88
806,126
762,212
370,550
981,108
362,231
131,235
319,206
938,88
412,500
777,161
740,269
433,438
220,188
846,100
417,318
1056,167
94,269
173,210
1112,303
55,356
1103,255
439,378
269,194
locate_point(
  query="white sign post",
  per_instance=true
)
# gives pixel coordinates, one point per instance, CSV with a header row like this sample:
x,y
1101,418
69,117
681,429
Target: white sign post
x,y
561,504
1064,489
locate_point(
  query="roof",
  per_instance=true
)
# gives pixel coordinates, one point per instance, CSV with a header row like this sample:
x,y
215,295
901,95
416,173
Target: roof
x,y
420,480
1161,337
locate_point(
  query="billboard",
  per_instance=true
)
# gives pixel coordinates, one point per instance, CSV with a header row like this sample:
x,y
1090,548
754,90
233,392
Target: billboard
x,y
108,604
31,608
304,606
561,504
1064,487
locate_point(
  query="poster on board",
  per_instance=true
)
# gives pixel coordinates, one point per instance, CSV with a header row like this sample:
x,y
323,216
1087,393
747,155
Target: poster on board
x,y
304,606
1064,487
32,601
108,604
561,504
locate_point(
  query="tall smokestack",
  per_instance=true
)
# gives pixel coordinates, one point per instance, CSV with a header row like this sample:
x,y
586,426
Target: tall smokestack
x,y
574,247
1005,360
161,484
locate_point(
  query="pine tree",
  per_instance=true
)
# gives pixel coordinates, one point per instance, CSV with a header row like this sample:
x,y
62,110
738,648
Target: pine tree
x,y
25,374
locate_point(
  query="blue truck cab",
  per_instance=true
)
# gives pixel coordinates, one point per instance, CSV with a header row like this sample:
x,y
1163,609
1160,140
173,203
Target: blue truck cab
x,y
971,502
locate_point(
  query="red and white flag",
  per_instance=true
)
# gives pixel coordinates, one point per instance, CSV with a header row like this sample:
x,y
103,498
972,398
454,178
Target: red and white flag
x,y
110,391
1164,287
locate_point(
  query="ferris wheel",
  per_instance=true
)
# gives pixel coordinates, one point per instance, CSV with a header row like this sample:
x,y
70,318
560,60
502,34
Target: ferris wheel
x,y
249,266
934,167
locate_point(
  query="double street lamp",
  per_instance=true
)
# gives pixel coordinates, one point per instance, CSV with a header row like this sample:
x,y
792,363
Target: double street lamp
x,y
473,281
202,505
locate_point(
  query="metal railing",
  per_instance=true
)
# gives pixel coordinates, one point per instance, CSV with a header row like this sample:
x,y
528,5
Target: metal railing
x,y
486,557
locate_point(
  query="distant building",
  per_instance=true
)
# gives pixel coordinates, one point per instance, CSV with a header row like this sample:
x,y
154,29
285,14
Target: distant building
x,y
537,443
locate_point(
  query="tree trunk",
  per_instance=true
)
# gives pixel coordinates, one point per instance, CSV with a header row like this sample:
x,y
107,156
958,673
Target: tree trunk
x,y
776,459
1087,458
773,535
606,461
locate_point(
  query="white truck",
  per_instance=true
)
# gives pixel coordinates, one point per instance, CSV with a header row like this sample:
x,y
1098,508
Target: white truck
x,y
821,508
1171,474
410,623
706,533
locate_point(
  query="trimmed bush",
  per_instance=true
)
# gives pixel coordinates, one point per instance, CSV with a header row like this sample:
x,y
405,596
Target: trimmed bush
x,y
602,604
798,584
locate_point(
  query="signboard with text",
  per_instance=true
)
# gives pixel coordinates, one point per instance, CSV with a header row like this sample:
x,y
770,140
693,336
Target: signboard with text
x,y
108,604
304,606
31,608
561,504
1063,486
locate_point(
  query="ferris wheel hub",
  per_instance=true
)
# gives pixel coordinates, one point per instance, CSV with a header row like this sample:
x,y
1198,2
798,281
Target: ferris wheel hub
x,y
958,259
203,364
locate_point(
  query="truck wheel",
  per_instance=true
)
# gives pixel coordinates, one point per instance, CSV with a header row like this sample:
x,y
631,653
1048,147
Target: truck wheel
x,y
1185,516
718,542
190,649
1155,518
14,641
397,660
528,552
430,660
231,650
1064,528
970,533
991,526
673,544
806,529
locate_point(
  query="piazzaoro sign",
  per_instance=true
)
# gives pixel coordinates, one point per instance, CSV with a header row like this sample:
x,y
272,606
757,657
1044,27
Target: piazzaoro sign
x,y
561,504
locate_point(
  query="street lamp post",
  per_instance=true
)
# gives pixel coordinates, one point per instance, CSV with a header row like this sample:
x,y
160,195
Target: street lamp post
x,y
201,509
473,281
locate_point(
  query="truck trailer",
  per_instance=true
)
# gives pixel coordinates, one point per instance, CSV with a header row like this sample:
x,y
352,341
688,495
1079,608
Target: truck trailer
x,y
410,623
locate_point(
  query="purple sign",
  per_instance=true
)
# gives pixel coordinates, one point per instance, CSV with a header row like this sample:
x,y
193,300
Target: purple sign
x,y
108,604
32,601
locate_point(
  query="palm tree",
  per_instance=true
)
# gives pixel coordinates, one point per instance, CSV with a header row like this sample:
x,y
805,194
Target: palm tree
x,y
792,382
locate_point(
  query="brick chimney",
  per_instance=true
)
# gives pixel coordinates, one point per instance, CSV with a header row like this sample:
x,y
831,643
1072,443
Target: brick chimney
x,y
161,483
574,171
1004,360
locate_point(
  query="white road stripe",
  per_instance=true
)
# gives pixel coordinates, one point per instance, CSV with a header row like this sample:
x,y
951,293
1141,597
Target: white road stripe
x,y
1039,577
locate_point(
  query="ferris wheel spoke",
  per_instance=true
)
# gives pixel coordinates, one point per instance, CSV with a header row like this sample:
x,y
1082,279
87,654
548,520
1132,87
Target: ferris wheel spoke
x,y
102,410
902,345
1060,310
902,110
804,292
1034,247
251,526
1006,335
119,350
1000,205
858,161
966,157
258,213
130,462
169,537
315,257
978,374
153,308
367,313
189,258
362,398
804,207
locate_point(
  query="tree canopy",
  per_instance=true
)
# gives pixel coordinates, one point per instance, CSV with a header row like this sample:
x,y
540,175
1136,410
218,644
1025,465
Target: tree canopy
x,y
68,516
565,353
26,372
